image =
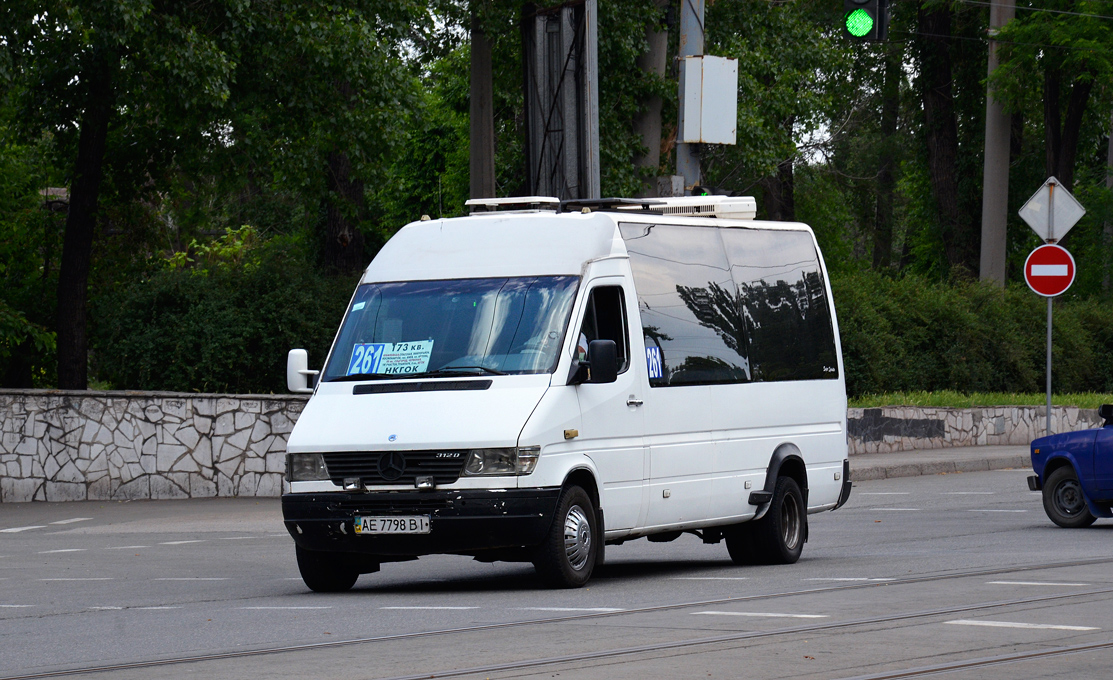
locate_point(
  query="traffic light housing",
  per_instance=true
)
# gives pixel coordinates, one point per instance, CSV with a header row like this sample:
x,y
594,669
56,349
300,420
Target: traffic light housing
x,y
866,20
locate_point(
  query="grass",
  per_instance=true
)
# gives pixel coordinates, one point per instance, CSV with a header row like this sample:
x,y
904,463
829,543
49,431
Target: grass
x,y
951,399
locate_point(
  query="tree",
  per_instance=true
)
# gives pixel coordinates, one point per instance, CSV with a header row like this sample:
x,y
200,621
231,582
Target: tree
x,y
135,92
1063,50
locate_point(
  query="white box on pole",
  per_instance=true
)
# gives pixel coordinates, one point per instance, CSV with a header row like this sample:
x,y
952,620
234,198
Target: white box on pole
x,y
708,100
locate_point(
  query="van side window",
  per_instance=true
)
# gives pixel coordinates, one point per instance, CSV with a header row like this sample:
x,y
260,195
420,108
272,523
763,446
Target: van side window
x,y
784,300
694,332
728,305
605,319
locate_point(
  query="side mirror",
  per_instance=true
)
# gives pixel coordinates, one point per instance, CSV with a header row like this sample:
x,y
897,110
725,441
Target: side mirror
x,y
602,359
1105,412
298,376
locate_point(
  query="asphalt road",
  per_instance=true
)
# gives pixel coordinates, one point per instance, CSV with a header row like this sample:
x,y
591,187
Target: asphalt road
x,y
960,574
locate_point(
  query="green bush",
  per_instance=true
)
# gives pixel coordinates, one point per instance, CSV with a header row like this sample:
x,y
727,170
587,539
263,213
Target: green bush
x,y
909,334
217,329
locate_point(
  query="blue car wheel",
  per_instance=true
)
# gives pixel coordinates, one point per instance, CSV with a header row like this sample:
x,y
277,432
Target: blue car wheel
x,y
1063,500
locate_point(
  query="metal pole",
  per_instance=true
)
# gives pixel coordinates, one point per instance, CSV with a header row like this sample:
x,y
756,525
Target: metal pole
x,y
592,180
1050,239
691,44
995,186
1049,366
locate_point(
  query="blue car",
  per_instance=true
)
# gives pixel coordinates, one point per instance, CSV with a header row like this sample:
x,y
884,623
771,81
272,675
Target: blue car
x,y
1075,472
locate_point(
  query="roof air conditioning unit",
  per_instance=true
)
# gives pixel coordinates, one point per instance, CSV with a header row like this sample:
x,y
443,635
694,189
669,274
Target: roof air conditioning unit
x,y
727,207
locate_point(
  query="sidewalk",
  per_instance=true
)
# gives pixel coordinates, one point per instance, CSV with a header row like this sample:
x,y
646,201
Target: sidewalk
x,y
937,461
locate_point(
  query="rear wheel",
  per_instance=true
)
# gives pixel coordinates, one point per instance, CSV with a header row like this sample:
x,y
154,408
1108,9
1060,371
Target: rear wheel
x,y
326,572
569,553
776,538
1063,500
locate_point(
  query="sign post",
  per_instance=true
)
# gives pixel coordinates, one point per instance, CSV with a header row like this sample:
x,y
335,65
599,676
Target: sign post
x,y
1049,269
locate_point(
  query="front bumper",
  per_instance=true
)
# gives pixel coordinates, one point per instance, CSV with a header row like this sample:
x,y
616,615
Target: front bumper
x,y
461,522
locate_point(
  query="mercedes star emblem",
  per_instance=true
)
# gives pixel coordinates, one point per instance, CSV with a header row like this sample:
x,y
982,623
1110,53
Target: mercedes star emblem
x,y
392,465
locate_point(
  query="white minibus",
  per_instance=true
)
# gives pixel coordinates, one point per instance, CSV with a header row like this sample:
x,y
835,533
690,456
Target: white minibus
x,y
540,379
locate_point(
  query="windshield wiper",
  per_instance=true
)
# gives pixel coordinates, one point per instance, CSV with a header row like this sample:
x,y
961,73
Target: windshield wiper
x,y
439,373
364,376
450,370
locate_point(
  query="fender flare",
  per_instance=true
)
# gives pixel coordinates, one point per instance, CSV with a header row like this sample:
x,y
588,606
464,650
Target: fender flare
x,y
787,453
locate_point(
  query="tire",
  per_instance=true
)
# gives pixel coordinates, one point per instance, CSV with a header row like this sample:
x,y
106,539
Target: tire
x,y
1063,500
326,572
740,543
776,538
570,552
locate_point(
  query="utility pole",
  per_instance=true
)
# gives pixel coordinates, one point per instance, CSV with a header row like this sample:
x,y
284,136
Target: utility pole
x,y
481,160
995,184
691,44
1107,231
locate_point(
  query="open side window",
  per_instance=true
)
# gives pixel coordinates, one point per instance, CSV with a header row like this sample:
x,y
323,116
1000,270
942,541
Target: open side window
x,y
605,319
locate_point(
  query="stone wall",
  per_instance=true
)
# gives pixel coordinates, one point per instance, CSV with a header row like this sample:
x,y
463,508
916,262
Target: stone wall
x,y
60,446
66,446
905,428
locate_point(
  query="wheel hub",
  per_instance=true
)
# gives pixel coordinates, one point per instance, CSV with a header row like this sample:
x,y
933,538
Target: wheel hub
x,y
577,537
1068,497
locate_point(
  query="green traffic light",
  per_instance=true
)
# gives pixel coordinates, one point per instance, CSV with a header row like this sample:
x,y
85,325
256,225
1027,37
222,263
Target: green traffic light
x,y
859,23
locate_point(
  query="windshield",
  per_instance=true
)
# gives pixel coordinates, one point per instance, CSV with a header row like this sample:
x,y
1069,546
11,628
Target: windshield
x,y
457,327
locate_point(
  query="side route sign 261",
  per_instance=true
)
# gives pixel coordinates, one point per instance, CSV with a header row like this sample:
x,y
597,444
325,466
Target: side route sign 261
x,y
1049,270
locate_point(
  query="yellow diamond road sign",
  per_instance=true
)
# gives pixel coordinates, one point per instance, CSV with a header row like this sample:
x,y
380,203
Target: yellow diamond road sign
x,y
1052,211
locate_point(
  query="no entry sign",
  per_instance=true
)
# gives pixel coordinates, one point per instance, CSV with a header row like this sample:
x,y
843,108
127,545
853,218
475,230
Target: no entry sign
x,y
1049,270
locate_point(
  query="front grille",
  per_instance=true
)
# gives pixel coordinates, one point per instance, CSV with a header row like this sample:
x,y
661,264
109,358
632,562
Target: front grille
x,y
396,467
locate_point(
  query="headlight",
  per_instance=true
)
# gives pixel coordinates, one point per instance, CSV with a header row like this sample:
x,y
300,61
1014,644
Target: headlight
x,y
509,461
306,467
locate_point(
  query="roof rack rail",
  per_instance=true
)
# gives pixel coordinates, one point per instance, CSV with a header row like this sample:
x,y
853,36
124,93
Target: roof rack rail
x,y
480,205
576,204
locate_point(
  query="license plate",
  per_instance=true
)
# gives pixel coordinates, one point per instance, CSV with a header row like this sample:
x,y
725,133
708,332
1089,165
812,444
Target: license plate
x,y
392,525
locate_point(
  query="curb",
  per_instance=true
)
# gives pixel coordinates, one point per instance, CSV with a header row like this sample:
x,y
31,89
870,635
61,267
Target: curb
x,y
874,471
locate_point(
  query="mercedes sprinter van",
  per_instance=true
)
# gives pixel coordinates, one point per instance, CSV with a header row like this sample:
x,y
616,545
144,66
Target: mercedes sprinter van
x,y
540,379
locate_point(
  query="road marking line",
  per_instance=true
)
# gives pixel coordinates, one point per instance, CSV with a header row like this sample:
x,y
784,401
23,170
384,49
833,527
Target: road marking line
x,y
770,615
428,607
16,530
896,509
105,608
569,609
967,493
710,578
181,542
236,538
152,608
988,510
1011,624
856,578
48,552
72,520
193,578
884,493
285,607
127,547
87,578
1033,583
15,606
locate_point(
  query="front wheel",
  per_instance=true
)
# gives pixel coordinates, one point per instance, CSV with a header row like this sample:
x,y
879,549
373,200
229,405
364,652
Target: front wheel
x,y
326,572
569,553
1063,500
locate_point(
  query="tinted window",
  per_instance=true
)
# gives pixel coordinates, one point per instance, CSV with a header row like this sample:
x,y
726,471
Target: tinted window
x,y
688,304
783,300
